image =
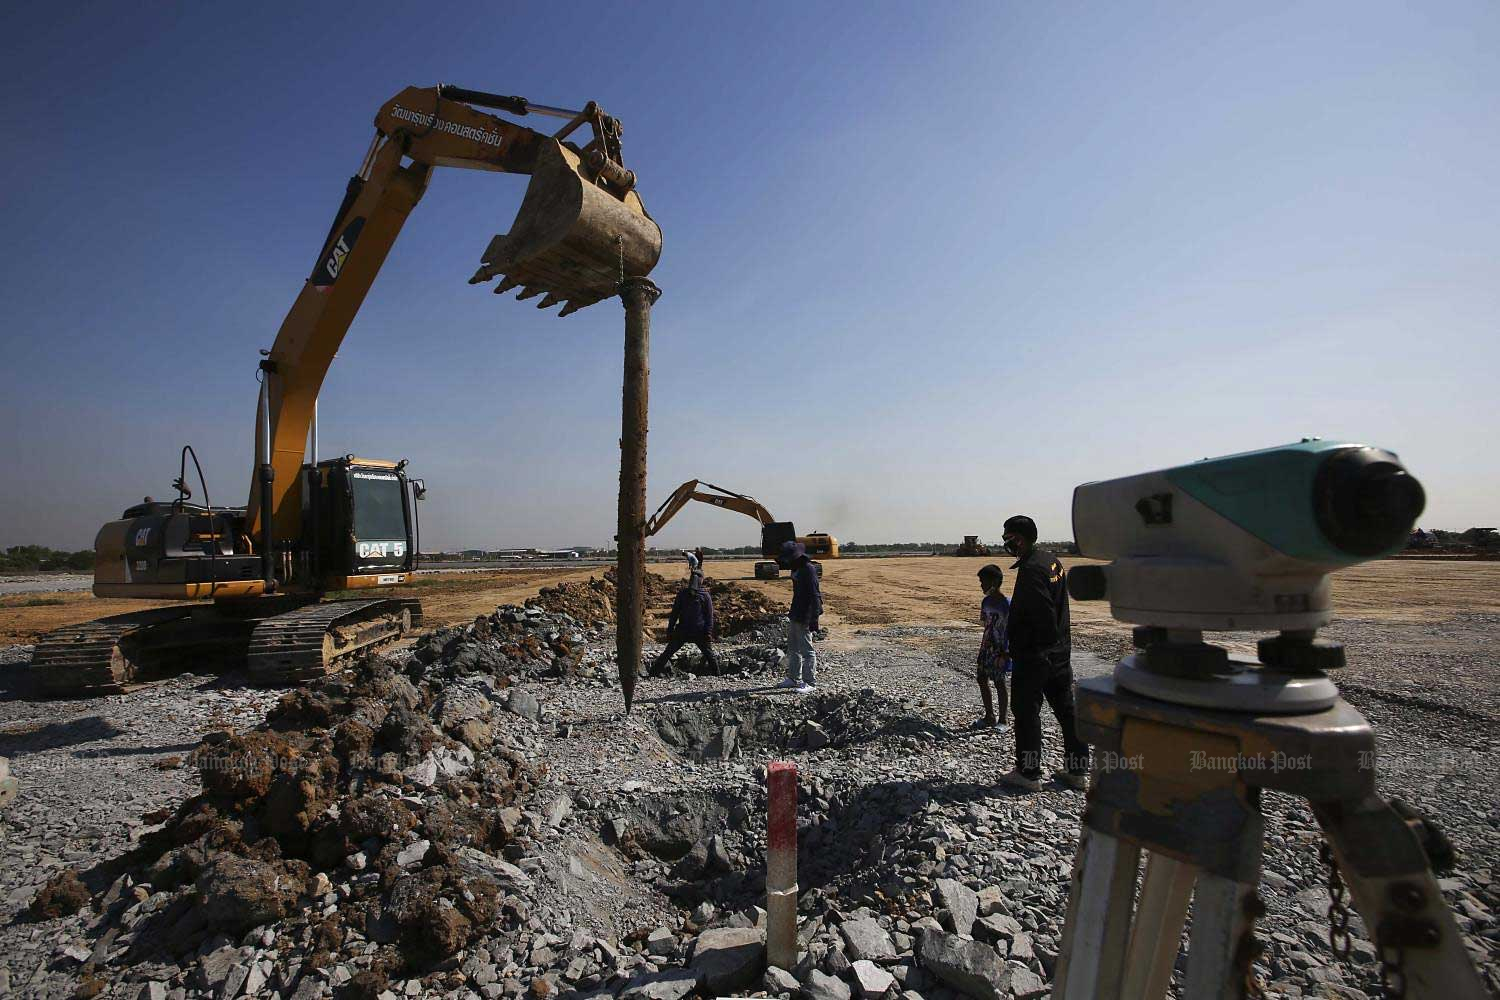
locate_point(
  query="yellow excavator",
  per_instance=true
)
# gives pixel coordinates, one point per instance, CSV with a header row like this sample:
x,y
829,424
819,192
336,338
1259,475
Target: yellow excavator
x,y
773,533
347,523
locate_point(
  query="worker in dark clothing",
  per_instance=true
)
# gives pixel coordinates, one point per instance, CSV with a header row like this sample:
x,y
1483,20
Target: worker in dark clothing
x,y
807,606
1040,652
691,621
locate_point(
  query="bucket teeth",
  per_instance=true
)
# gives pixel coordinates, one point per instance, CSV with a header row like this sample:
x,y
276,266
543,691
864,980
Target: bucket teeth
x,y
571,238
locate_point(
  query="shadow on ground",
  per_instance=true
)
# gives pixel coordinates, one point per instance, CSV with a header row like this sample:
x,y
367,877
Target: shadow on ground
x,y
17,741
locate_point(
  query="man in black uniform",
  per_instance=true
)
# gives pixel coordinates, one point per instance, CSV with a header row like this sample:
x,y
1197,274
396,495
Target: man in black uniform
x,y
1040,651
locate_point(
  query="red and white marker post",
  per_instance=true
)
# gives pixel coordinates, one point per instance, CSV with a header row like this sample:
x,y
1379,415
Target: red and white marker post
x,y
781,865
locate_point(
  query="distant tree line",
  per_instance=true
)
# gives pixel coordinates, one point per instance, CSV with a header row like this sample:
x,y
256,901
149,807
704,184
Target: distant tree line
x,y
37,558
942,548
1478,539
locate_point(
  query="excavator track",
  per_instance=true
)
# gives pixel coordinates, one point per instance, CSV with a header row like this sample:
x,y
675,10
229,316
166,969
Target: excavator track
x,y
321,639
121,653
97,657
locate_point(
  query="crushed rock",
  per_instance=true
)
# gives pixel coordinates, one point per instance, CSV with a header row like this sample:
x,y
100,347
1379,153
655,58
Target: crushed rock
x,y
572,851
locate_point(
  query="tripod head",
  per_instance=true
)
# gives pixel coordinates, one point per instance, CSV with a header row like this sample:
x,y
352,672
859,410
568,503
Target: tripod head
x,y
1243,542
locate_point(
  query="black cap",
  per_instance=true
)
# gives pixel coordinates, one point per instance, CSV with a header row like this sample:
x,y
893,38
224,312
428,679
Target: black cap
x,y
1021,525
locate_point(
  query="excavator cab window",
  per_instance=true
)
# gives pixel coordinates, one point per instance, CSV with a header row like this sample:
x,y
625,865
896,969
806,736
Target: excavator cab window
x,y
381,532
379,511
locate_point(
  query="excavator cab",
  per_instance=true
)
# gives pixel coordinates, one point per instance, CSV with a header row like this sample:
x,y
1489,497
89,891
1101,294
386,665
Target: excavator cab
x,y
773,534
361,515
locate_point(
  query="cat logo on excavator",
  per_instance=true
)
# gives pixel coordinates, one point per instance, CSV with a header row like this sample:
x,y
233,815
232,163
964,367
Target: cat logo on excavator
x,y
328,273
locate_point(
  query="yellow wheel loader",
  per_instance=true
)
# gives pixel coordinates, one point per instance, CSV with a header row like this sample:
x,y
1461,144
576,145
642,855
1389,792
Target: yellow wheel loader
x,y
311,527
773,533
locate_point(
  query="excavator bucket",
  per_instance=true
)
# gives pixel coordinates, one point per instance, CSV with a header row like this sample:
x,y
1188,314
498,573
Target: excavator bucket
x,y
574,235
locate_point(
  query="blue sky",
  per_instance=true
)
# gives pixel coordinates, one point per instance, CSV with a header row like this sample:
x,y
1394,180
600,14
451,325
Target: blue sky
x,y
925,266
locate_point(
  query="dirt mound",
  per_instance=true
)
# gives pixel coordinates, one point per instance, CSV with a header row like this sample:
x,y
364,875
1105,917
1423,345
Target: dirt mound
x,y
370,816
593,600
737,609
590,601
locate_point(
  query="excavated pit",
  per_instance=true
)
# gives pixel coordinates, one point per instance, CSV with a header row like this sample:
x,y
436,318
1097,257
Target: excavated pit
x,y
710,844
707,843
723,729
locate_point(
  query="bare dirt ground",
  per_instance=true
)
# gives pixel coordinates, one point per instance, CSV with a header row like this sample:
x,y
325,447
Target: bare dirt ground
x,y
861,592
446,597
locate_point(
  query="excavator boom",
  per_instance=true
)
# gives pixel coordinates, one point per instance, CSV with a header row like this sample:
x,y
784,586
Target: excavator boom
x,y
349,523
721,497
580,222
772,532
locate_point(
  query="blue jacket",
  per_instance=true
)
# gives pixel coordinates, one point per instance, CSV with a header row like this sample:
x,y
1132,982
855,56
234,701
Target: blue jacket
x,y
807,596
692,613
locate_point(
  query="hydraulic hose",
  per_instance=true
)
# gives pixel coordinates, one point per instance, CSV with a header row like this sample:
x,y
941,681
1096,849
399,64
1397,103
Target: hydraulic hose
x,y
208,505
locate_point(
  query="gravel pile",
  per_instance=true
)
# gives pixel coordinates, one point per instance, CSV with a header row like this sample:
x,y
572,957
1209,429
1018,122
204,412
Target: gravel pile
x,y
516,643
474,817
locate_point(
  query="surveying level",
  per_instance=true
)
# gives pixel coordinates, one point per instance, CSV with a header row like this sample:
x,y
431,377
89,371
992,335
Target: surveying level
x,y
1186,736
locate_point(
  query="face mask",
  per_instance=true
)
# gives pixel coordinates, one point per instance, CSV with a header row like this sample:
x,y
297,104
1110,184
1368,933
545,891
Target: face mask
x,y
1013,547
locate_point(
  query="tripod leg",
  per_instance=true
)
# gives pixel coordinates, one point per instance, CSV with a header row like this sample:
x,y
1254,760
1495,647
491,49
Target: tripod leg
x,y
1385,867
1224,914
1157,931
1092,952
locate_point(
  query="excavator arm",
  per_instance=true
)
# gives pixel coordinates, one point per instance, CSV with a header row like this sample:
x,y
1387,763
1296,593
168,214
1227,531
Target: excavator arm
x,y
580,223
721,497
772,532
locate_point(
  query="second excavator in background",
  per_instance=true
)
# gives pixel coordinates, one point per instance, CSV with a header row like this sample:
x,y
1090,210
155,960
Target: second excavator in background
x,y
312,527
773,533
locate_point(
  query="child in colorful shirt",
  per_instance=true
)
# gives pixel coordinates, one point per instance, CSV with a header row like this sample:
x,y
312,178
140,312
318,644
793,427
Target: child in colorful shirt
x,y
994,658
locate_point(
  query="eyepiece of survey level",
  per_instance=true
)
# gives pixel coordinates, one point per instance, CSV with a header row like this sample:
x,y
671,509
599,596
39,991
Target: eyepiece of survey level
x,y
1365,500
1087,583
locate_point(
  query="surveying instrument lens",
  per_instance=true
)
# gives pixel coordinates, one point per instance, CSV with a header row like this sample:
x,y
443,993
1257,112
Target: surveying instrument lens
x,y
1187,735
